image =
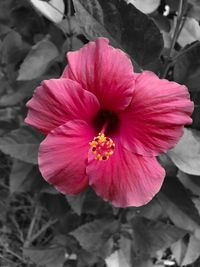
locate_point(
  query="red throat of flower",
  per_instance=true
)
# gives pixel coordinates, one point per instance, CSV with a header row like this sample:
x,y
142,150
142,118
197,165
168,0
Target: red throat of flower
x,y
101,146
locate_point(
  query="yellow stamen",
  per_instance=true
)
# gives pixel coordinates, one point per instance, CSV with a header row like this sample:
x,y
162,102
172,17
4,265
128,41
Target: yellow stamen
x,y
102,147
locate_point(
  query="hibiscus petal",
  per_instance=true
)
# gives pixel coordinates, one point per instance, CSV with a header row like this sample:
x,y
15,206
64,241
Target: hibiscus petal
x,y
103,70
63,156
125,179
57,101
153,123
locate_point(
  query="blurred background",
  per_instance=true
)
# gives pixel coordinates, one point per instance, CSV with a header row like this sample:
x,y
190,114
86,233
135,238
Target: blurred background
x,y
38,225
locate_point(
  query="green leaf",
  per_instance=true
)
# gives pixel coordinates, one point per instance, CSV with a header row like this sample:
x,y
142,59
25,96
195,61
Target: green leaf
x,y
56,205
189,33
178,250
35,183
96,236
91,14
145,263
38,60
4,29
117,259
195,96
21,144
26,21
163,23
76,202
7,115
143,41
70,25
4,202
68,222
127,255
197,203
193,251
196,116
89,203
177,204
24,89
186,154
151,210
167,164
18,176
50,257
151,236
5,7
54,10
71,44
194,10
95,205
187,69
145,6
189,182
125,245
12,48
121,24
87,259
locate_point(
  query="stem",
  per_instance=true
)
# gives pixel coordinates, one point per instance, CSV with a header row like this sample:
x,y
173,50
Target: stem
x,y
69,8
15,255
69,22
183,20
31,227
21,236
177,27
5,259
43,229
166,68
32,224
179,23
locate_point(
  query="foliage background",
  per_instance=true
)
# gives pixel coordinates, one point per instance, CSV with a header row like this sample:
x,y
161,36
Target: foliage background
x,y
39,226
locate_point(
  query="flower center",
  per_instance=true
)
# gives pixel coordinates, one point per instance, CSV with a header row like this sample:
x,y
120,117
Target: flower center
x,y
102,117
102,146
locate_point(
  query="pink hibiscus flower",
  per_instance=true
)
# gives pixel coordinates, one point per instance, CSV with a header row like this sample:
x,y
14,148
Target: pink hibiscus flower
x,y
105,125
